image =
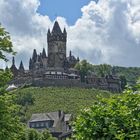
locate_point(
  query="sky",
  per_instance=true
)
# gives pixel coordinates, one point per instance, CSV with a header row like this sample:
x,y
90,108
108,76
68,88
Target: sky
x,y
107,31
70,9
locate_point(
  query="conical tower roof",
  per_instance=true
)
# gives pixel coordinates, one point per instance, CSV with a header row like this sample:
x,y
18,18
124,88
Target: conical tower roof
x,y
56,28
44,53
21,67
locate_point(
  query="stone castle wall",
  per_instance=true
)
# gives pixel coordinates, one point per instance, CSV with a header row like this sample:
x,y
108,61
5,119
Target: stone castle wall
x,y
43,82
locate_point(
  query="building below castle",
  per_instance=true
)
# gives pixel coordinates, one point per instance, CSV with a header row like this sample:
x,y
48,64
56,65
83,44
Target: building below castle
x,y
57,69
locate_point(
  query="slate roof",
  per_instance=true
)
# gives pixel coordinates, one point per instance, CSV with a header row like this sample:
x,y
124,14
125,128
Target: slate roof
x,y
49,116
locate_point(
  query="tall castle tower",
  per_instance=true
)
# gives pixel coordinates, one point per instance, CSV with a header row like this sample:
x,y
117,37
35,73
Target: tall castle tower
x,y
56,47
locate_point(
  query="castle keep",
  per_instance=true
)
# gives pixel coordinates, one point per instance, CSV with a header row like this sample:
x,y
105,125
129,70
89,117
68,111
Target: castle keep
x,y
57,69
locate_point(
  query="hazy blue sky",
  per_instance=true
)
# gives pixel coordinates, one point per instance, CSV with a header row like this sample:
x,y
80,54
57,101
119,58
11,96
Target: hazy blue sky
x,y
70,9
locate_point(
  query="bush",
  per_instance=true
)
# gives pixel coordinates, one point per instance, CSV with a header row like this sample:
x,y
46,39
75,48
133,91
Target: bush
x,y
114,118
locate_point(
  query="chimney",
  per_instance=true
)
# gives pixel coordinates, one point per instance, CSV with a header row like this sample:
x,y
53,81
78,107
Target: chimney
x,y
59,113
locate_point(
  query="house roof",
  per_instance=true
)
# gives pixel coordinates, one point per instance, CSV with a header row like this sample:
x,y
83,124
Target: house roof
x,y
49,116
40,117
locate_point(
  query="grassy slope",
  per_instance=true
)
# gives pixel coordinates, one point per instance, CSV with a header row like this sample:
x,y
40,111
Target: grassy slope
x,y
71,100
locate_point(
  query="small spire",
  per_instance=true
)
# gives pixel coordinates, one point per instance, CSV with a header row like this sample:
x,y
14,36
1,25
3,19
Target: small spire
x,y
64,31
21,67
43,53
30,60
34,57
30,64
70,54
13,67
13,61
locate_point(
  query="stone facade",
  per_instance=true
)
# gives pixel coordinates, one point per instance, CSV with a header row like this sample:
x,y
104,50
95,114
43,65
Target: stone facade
x,y
57,69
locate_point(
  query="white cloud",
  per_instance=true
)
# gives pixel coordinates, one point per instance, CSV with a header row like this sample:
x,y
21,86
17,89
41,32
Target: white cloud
x,y
107,32
107,27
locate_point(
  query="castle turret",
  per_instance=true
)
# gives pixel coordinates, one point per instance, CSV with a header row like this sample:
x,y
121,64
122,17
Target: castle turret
x,y
44,53
30,64
34,56
13,61
70,54
56,46
13,68
21,67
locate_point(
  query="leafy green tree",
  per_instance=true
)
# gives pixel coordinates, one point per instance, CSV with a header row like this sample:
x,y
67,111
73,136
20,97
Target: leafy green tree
x,y
5,44
123,82
46,135
31,134
83,67
10,126
115,118
5,76
104,69
25,99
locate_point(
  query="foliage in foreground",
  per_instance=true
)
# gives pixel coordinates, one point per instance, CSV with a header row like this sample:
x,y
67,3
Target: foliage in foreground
x,y
115,118
32,134
10,126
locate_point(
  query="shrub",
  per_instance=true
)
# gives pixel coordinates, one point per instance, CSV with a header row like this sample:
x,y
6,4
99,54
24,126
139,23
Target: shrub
x,y
114,118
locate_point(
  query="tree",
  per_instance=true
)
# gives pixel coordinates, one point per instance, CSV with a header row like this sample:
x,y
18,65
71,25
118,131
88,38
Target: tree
x,y
46,135
32,134
5,44
123,82
83,67
10,126
5,76
104,69
115,118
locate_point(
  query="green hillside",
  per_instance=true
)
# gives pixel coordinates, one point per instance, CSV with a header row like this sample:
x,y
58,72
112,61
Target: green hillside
x,y
70,100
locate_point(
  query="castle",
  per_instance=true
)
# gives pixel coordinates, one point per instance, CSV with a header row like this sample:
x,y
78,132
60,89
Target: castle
x,y
57,69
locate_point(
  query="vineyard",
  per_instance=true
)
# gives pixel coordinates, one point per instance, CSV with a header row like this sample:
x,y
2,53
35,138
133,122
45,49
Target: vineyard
x,y
70,100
